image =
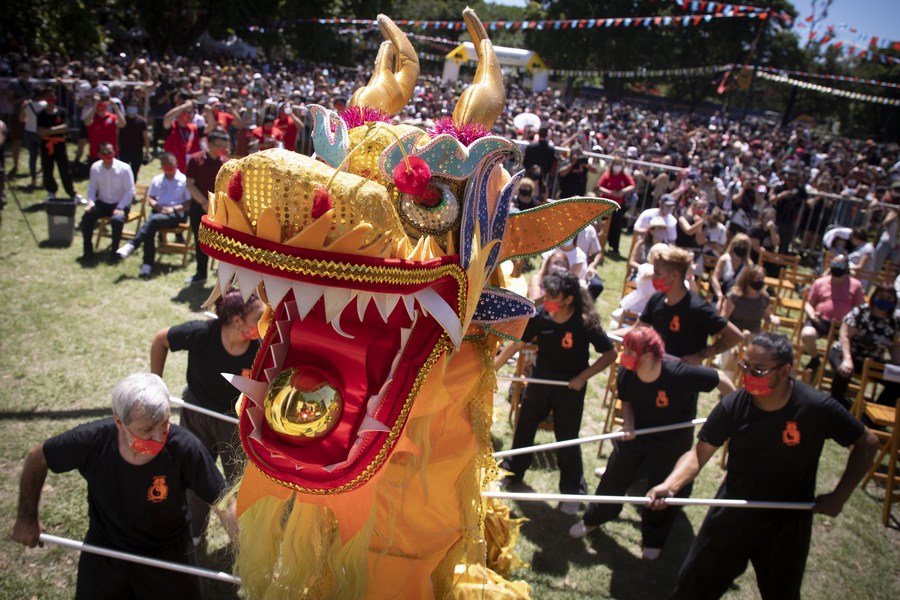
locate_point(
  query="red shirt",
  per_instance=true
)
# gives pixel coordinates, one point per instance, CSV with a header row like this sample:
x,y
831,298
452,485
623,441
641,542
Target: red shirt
x,y
203,168
267,139
103,129
286,124
224,119
615,183
182,140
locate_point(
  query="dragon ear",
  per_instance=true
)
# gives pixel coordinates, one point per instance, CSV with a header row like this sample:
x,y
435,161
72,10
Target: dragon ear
x,y
388,89
537,230
484,100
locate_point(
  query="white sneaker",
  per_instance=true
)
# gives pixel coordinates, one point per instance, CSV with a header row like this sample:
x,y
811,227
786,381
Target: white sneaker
x,y
579,530
145,270
126,250
80,199
599,471
650,553
569,508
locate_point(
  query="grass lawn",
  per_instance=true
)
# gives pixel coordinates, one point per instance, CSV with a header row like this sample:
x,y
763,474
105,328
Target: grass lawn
x,y
73,332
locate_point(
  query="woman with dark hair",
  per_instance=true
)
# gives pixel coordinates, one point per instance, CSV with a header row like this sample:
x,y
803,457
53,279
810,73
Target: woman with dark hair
x,y
227,344
729,266
868,331
564,329
653,393
747,304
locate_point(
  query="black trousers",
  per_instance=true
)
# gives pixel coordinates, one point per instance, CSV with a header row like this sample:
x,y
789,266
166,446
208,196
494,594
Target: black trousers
x,y
775,542
60,158
567,406
103,578
221,440
89,221
197,213
839,384
657,456
615,229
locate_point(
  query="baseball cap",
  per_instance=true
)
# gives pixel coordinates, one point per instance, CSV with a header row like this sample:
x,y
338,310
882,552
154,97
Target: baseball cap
x,y
667,199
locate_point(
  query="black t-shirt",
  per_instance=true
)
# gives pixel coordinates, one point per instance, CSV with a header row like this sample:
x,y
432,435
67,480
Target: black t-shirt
x,y
672,398
207,360
685,326
131,137
539,153
775,455
563,348
46,120
786,210
136,507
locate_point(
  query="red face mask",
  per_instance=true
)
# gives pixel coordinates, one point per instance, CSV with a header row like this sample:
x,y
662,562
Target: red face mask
x,y
101,107
169,170
185,118
106,158
660,285
251,334
51,100
551,306
147,447
756,386
629,361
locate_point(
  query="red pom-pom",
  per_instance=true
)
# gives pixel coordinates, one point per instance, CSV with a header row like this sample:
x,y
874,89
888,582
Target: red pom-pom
x,y
322,202
431,198
236,186
412,176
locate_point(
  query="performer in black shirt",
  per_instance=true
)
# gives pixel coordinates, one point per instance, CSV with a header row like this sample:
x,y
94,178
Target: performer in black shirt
x,y
776,428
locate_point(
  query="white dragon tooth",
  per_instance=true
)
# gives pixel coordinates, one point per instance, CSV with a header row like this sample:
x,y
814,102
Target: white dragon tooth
x,y
255,390
225,274
374,400
372,424
276,288
409,302
272,373
334,466
392,300
284,330
306,296
404,336
381,303
290,310
255,414
248,281
336,300
336,325
438,308
362,303
279,351
395,362
355,449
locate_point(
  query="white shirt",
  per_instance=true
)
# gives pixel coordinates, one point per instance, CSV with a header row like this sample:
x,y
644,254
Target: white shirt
x,y
587,240
169,192
643,223
577,260
32,110
114,185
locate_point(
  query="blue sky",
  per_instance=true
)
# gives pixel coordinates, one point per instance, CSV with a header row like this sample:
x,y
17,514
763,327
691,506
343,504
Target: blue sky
x,y
873,17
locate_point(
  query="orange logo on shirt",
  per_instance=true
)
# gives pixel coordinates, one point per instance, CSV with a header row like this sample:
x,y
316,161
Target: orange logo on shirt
x,y
675,324
567,340
791,435
662,400
159,491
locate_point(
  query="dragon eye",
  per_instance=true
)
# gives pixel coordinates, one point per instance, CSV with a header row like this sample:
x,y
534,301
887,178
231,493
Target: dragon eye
x,y
433,212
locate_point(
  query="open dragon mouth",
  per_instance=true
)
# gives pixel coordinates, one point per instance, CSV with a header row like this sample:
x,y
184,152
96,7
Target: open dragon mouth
x,y
349,343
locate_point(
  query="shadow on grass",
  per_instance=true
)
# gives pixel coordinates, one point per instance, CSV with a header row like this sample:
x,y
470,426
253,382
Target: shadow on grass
x,y
81,413
193,295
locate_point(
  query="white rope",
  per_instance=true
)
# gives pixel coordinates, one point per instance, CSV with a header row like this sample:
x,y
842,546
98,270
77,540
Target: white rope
x,y
729,503
205,411
596,438
141,560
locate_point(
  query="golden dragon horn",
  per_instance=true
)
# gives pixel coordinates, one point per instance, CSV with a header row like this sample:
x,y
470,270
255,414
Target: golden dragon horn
x,y
389,90
484,100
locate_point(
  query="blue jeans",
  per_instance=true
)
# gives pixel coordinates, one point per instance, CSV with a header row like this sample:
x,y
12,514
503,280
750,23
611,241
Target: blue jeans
x,y
147,233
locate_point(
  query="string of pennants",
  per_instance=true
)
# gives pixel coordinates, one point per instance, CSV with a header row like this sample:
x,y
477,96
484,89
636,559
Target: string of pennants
x,y
698,6
861,38
657,21
829,40
806,85
415,36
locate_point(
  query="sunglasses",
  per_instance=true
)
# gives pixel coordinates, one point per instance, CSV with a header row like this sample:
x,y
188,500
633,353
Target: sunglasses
x,y
526,191
744,366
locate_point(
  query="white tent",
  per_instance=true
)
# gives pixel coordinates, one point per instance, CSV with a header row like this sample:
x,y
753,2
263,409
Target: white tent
x,y
508,57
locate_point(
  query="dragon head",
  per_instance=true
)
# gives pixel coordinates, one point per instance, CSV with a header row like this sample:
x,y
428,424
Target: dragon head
x,y
374,259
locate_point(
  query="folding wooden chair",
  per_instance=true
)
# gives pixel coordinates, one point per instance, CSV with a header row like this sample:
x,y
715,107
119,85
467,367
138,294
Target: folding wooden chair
x,y
133,219
169,242
611,403
524,364
782,261
885,422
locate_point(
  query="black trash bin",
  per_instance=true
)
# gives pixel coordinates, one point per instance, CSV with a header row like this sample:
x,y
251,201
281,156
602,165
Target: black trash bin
x,y
60,221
